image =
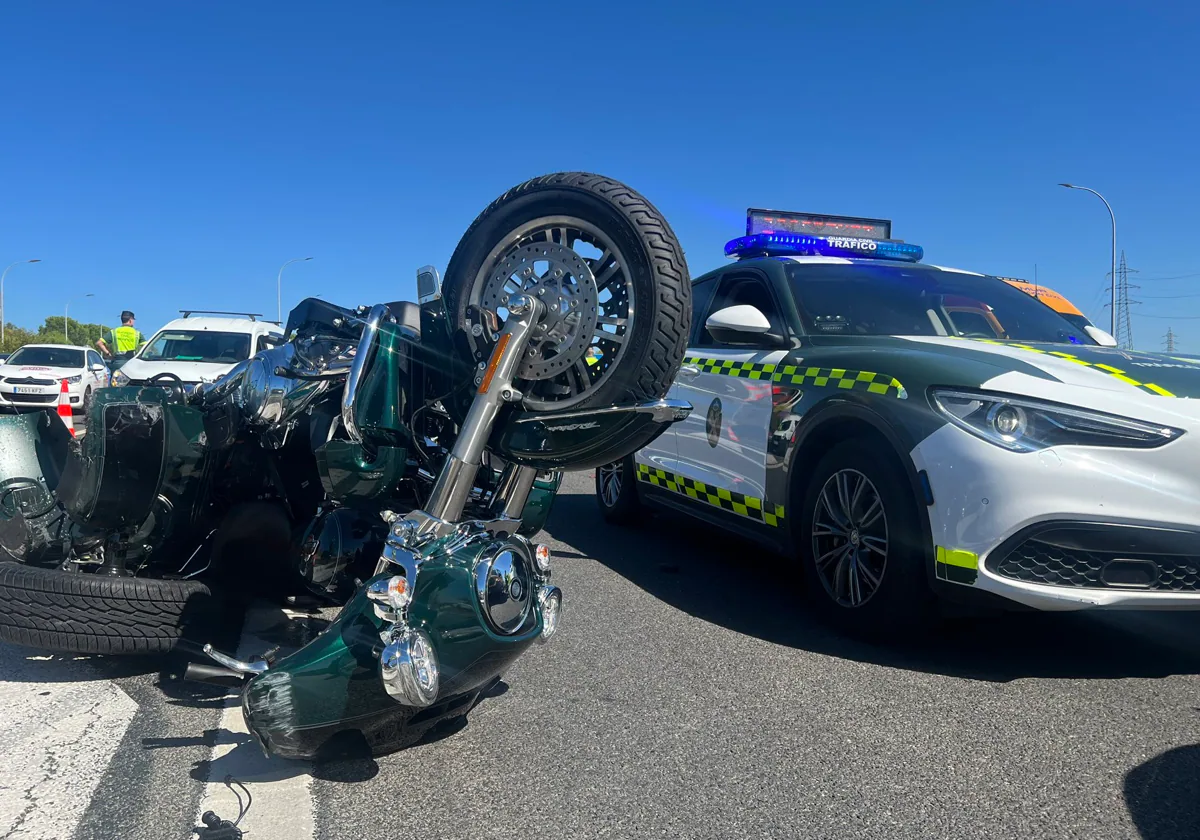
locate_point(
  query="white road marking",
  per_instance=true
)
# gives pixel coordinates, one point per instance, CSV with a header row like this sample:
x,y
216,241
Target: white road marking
x,y
282,790
57,743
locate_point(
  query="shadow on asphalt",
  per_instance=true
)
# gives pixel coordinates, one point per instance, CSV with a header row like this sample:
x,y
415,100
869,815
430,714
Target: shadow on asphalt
x,y
50,667
677,560
1163,795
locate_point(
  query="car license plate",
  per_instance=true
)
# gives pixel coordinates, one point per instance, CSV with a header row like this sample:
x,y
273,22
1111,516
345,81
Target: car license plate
x,y
26,389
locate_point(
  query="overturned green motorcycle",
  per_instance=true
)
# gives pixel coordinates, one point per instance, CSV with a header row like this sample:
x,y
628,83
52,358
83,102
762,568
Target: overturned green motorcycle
x,y
398,455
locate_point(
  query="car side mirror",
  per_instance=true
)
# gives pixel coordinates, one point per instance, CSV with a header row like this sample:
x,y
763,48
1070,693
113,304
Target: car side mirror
x,y
1100,336
97,367
742,324
271,340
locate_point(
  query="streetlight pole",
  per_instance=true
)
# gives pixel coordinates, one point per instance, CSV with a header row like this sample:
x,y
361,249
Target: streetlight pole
x,y
66,316
1113,321
279,287
2,276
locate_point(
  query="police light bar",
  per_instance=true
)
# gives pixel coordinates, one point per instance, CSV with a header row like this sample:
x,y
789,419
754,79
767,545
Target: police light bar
x,y
815,224
800,245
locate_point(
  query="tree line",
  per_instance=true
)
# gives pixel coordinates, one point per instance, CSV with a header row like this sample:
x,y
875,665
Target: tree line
x,y
51,332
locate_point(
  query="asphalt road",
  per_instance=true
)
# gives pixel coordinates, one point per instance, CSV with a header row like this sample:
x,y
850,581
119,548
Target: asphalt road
x,y
688,694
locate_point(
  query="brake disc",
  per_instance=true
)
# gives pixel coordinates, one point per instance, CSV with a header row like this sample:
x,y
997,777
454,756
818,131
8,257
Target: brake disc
x,y
564,283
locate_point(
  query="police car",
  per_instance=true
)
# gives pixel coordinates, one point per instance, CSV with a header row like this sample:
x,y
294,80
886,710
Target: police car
x,y
910,430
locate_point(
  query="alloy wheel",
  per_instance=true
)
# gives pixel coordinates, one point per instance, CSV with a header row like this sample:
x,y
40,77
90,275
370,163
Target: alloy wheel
x,y
610,483
850,538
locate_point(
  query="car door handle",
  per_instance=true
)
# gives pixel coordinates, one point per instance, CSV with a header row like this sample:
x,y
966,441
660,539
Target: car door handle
x,y
690,371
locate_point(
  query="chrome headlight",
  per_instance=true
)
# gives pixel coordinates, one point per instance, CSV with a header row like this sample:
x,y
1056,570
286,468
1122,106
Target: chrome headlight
x,y
550,600
1021,424
119,379
409,667
504,585
75,380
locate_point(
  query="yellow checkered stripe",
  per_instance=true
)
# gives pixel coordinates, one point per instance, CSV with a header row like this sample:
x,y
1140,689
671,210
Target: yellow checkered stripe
x,y
742,505
846,380
728,367
1116,373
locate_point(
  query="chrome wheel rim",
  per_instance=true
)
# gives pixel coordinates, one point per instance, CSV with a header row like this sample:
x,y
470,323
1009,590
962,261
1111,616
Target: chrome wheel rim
x,y
610,484
850,538
584,280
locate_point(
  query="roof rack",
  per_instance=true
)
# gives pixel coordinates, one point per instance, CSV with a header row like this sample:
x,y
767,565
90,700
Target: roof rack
x,y
187,313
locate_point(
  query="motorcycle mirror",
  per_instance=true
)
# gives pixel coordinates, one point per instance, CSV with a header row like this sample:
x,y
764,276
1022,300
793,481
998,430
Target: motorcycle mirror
x,y
429,284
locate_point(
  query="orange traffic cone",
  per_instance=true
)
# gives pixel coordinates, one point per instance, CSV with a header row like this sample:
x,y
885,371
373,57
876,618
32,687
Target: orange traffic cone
x,y
64,408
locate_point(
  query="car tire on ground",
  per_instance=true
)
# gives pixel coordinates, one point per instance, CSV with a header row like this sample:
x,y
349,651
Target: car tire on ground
x,y
861,545
616,492
88,396
74,612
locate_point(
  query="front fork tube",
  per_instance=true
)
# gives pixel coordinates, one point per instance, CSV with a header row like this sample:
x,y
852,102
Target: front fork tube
x,y
457,476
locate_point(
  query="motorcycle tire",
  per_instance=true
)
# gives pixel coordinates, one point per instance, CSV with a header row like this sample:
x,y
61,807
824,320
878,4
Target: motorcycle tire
x,y
618,323
72,612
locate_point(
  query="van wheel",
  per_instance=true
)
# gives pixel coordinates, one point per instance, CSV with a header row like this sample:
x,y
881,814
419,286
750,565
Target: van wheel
x,y
861,545
616,491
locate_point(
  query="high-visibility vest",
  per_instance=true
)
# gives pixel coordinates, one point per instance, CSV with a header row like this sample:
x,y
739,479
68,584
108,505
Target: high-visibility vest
x,y
125,339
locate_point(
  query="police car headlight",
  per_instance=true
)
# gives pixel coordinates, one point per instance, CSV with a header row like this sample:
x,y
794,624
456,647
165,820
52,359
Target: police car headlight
x,y
119,379
1025,425
75,380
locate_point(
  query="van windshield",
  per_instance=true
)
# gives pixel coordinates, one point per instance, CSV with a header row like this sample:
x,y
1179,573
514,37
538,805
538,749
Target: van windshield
x,y
197,346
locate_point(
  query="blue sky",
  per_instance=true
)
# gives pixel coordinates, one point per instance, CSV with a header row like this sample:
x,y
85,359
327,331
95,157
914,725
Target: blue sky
x,y
163,155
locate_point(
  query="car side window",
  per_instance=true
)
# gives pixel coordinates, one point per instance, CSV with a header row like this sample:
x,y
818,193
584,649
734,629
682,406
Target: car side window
x,y
93,358
737,290
262,344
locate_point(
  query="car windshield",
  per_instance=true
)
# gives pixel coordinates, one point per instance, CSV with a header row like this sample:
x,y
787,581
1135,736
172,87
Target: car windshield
x,y
197,346
47,357
890,299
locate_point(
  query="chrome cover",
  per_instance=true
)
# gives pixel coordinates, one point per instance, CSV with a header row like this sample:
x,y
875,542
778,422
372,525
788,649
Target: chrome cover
x,y
504,585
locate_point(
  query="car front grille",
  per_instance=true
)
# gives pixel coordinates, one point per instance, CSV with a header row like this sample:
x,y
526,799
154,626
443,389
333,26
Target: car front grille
x,y
29,399
1033,561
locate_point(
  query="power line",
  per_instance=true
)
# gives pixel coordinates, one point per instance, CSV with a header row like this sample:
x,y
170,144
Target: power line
x,y
1173,277
1173,297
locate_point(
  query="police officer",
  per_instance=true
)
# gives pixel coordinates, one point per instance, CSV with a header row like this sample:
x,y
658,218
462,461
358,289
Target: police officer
x,y
124,339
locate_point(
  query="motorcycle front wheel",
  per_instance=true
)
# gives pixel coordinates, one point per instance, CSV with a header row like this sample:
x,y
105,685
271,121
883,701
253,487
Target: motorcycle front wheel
x,y
610,272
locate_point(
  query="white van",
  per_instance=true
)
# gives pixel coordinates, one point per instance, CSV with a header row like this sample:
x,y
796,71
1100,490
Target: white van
x,y
199,347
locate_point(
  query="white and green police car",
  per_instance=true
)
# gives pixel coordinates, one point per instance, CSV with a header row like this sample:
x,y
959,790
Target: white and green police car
x,y
909,430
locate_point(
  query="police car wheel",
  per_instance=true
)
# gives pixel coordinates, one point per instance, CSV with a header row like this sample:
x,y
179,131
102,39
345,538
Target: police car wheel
x,y
88,396
616,491
861,544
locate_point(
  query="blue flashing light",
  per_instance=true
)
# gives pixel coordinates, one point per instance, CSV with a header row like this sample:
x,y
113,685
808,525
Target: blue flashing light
x,y
803,245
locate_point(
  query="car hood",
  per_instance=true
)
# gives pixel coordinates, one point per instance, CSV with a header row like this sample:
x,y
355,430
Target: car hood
x,y
187,371
1106,368
38,371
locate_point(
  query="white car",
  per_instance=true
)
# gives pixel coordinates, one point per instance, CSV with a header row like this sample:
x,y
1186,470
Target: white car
x,y
905,429
199,347
32,376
